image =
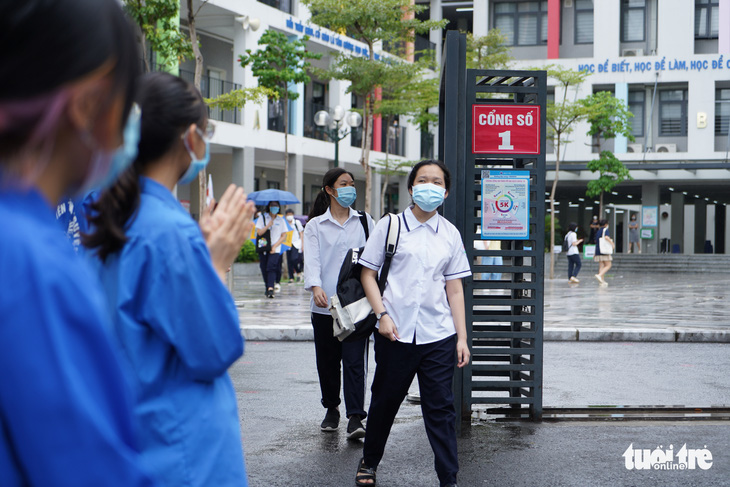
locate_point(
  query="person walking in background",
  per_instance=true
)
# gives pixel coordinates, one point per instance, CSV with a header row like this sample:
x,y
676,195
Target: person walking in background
x,y
421,322
574,263
604,260
634,235
65,407
294,254
332,229
271,230
595,226
174,319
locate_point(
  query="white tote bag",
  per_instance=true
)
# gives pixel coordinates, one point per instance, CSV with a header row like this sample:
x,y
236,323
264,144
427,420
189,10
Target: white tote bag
x,y
604,245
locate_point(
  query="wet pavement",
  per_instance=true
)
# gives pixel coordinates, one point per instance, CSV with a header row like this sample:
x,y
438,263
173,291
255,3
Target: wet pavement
x,y
278,393
637,307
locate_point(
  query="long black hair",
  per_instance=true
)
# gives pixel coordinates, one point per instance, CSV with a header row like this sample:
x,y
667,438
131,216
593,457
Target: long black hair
x,y
430,162
322,202
83,36
169,105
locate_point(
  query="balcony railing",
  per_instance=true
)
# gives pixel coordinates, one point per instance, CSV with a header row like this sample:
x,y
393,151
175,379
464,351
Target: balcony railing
x,y
212,88
312,130
395,142
283,5
423,47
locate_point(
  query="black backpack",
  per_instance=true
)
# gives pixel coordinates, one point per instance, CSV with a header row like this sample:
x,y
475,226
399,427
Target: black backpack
x,y
351,312
566,245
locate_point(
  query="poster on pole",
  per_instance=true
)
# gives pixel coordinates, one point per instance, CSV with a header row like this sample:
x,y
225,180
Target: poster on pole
x,y
649,216
505,205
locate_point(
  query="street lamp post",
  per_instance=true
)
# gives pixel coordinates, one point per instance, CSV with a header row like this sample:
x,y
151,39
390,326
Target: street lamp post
x,y
333,123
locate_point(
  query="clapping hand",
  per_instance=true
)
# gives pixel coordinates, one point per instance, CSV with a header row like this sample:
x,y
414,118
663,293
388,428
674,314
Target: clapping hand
x,y
227,228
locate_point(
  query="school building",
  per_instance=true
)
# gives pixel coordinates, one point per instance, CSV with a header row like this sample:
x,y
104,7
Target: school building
x,y
670,62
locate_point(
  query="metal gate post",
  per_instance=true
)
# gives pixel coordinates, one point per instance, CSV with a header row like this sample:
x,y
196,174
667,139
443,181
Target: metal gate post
x,y
504,317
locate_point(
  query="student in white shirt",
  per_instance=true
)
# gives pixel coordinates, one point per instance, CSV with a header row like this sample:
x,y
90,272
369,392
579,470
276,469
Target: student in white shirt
x,y
294,254
270,259
573,254
332,229
422,326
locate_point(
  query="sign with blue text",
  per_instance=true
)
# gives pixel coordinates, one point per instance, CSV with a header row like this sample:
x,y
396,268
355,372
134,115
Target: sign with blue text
x,y
505,205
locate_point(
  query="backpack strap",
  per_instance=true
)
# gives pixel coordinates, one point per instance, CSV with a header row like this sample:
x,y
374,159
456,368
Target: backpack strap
x,y
364,221
391,245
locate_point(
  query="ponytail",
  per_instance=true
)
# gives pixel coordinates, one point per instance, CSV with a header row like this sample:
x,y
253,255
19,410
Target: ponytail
x,y
169,105
322,202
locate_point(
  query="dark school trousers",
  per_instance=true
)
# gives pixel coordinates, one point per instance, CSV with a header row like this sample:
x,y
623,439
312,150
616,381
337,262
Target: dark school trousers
x,y
354,358
270,265
293,261
397,364
574,265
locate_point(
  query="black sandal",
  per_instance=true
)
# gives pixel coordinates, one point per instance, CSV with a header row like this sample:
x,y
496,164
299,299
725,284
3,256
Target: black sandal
x,y
365,473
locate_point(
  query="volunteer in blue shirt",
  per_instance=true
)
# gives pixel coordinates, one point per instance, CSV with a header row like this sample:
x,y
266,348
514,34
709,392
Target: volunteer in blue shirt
x,y
65,410
334,228
175,321
421,327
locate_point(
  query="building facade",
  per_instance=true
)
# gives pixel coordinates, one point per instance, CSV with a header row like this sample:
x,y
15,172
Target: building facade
x,y
248,148
670,63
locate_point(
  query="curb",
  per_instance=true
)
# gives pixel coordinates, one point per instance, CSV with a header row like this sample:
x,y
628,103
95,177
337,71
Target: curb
x,y
666,335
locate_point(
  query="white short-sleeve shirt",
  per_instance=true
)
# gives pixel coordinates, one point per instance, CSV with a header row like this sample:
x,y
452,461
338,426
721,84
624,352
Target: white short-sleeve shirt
x,y
572,238
279,227
428,255
325,245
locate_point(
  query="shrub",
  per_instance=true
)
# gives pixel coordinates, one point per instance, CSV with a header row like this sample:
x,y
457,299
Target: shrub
x,y
247,253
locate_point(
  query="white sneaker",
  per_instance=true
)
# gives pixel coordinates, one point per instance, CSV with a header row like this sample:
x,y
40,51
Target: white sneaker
x,y
600,279
574,279
277,288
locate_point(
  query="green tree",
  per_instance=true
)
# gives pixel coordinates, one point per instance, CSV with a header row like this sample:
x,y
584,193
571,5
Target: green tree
x,y
608,117
368,21
405,91
158,21
279,64
561,115
487,52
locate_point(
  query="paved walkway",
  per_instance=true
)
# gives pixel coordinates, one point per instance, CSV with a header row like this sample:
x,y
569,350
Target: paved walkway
x,y
664,307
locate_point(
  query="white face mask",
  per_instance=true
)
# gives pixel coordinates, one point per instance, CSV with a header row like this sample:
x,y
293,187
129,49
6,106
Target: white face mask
x,y
290,218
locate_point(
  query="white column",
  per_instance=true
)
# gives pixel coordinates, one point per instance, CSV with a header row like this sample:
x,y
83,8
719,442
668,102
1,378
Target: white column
x,y
607,29
436,12
404,197
244,166
375,209
481,17
296,179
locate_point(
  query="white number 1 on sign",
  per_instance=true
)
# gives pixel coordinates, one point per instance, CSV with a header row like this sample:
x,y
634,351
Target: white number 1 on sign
x,y
505,145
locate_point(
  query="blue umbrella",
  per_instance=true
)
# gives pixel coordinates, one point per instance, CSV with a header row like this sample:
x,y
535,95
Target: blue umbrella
x,y
268,195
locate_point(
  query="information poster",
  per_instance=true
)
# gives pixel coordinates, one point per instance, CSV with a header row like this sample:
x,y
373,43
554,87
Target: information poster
x,y
649,216
505,205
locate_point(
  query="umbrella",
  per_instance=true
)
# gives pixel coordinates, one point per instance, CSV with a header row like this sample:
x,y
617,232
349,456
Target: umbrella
x,y
266,196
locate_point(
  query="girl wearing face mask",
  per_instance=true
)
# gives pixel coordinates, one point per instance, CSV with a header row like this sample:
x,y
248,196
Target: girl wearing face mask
x,y
272,228
66,412
634,235
294,254
421,327
173,317
332,229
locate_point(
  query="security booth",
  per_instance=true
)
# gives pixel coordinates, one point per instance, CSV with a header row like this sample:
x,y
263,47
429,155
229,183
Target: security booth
x,y
492,138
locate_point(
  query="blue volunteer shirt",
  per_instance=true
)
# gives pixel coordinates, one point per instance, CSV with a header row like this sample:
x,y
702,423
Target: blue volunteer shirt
x,y
65,415
178,329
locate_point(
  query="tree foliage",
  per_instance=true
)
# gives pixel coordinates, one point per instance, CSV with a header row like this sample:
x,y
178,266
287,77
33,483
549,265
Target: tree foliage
x,y
608,117
278,64
158,21
369,21
236,99
487,52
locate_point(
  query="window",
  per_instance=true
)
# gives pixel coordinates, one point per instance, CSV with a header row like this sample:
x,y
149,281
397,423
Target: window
x,y
584,21
522,23
636,106
722,111
706,19
283,5
673,112
633,20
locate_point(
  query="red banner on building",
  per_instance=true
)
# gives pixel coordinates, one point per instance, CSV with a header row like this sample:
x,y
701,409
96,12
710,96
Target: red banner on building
x,y
506,129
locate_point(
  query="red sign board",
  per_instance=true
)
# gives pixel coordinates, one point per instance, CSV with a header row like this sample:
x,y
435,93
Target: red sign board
x,y
506,129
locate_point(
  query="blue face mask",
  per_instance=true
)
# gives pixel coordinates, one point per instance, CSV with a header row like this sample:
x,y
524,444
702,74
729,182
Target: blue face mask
x,y
107,166
274,210
196,165
428,196
346,196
